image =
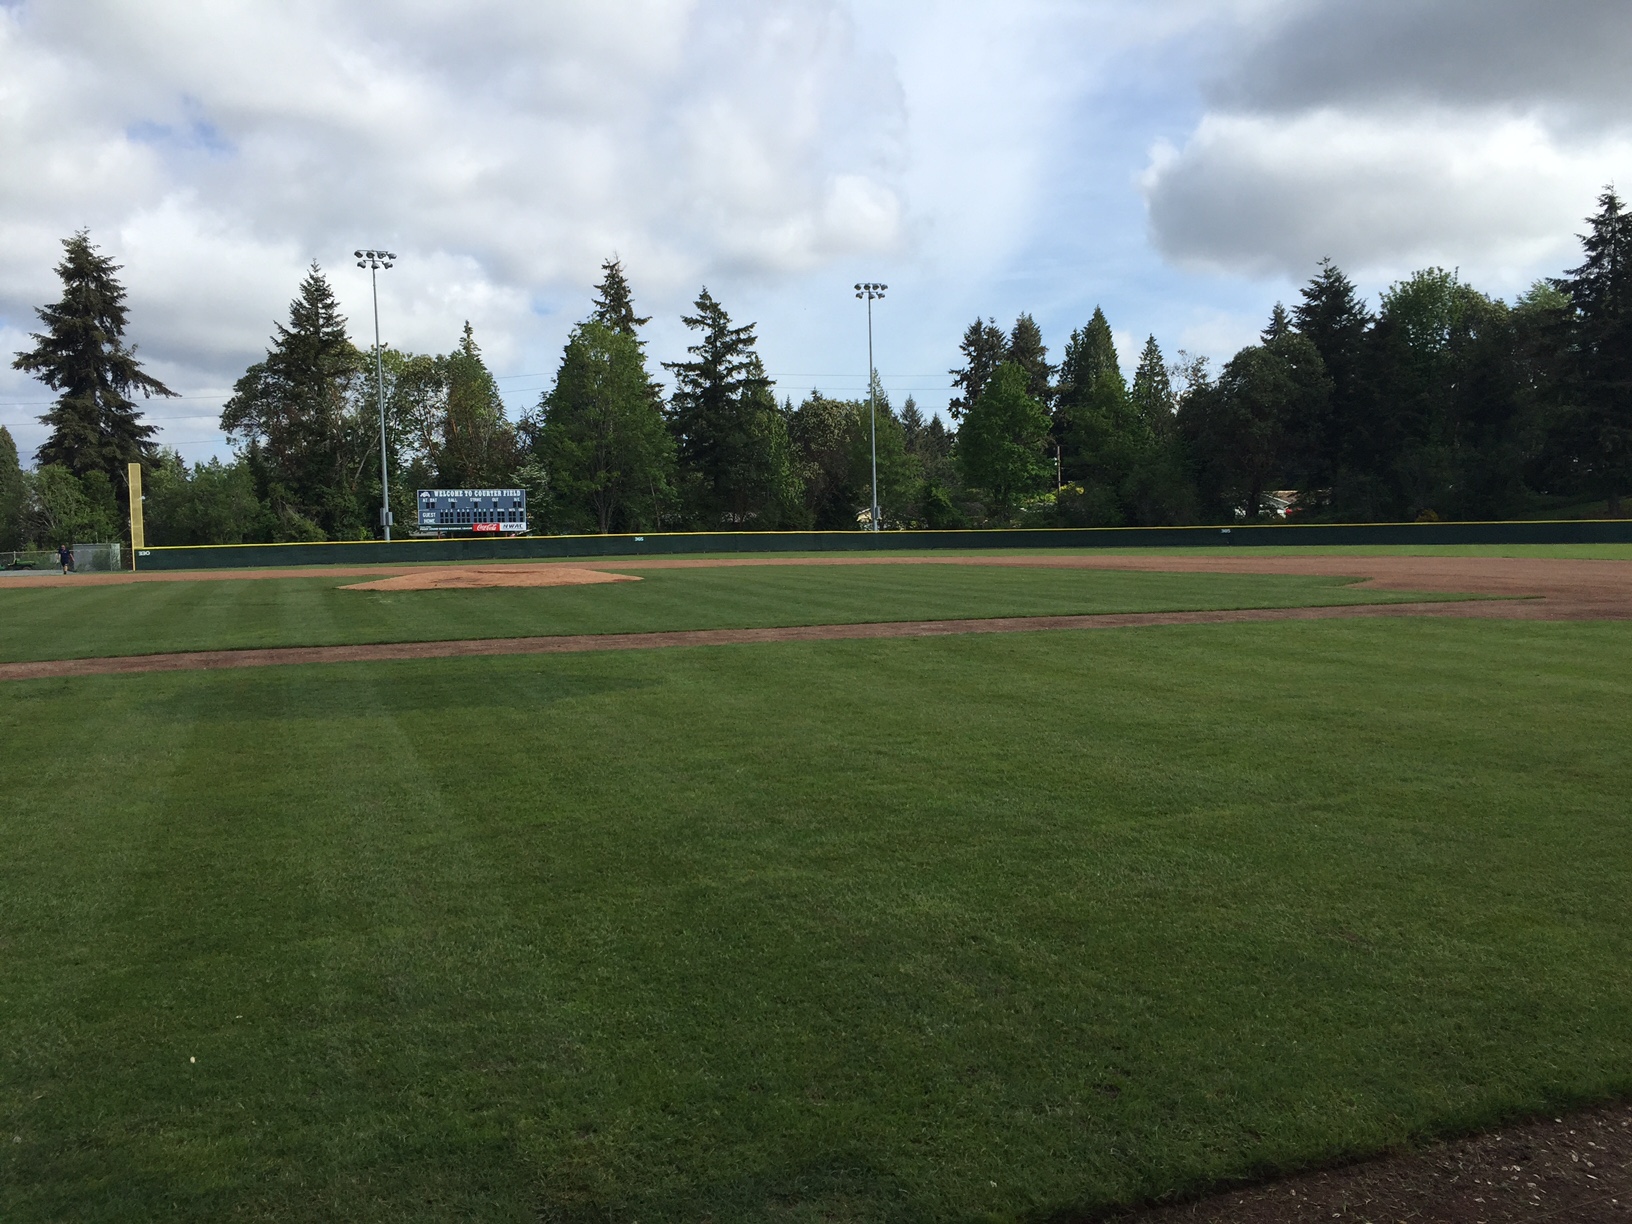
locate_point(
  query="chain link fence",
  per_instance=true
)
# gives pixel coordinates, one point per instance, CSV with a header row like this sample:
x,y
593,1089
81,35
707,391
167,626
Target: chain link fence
x,y
88,558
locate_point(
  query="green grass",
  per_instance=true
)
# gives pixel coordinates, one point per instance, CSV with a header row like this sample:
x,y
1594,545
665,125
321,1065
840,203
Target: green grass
x,y
143,618
931,930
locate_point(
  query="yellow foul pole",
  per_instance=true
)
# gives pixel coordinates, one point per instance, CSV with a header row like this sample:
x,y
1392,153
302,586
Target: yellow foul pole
x,y
136,534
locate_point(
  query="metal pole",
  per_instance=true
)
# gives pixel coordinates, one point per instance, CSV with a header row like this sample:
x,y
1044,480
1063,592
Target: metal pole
x,y
872,406
379,388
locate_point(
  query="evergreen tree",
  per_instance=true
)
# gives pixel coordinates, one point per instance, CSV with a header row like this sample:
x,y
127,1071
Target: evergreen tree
x,y
1280,323
1148,472
735,458
984,348
307,440
614,304
1334,319
1091,373
1000,442
603,442
913,425
95,426
477,446
1095,425
1152,395
1026,350
1598,354
13,492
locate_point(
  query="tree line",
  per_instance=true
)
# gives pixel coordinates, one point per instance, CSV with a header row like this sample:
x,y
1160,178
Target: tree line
x,y
1444,403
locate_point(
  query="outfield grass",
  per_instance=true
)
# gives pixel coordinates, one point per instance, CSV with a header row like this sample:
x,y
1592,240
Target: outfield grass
x,y
141,618
930,930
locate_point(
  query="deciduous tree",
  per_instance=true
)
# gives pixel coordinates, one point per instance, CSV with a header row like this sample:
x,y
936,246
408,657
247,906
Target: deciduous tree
x,y
13,492
1000,441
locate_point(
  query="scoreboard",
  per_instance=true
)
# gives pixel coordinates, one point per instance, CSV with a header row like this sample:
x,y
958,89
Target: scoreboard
x,y
480,511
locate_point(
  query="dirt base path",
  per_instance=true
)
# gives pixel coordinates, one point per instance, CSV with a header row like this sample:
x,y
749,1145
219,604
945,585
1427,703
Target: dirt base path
x,y
1575,1169
282,656
476,577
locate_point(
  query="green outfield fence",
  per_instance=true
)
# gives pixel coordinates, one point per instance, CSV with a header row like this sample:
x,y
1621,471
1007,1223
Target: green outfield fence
x,y
524,548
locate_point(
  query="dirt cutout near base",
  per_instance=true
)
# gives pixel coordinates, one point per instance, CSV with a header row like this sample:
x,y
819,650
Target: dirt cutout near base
x,y
1573,1169
477,577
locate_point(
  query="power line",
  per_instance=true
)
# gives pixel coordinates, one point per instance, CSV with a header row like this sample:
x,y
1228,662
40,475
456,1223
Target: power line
x,y
212,395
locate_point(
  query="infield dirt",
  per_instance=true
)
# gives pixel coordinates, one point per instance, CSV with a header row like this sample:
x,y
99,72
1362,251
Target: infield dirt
x,y
1567,589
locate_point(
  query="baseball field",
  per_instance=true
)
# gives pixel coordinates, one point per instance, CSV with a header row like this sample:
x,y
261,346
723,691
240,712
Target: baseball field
x,y
908,889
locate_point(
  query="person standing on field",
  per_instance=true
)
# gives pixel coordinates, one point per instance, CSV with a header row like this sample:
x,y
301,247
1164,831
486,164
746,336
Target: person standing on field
x,y
65,556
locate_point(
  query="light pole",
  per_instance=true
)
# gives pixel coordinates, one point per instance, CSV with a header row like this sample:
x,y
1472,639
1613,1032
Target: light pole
x,y
869,292
374,261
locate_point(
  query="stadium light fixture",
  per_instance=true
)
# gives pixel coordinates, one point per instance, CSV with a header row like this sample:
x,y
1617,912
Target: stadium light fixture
x,y
870,292
374,261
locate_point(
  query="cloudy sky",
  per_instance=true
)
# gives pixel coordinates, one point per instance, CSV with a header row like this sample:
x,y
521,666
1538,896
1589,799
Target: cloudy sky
x,y
1183,163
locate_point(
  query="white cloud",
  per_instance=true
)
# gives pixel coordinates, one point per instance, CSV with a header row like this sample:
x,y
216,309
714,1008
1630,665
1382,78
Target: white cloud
x,y
503,150
1380,193
1390,134
981,158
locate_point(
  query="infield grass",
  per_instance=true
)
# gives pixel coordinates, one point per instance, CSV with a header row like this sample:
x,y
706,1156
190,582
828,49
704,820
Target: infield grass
x,y
144,618
975,928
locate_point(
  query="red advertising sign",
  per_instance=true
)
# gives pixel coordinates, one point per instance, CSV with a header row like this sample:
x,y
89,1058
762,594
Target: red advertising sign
x,y
484,527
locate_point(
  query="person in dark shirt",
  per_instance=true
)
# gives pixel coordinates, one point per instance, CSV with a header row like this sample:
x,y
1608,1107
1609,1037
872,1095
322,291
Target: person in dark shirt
x,y
65,556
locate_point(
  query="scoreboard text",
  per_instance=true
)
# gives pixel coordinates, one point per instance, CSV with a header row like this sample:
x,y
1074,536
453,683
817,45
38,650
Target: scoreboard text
x,y
483,511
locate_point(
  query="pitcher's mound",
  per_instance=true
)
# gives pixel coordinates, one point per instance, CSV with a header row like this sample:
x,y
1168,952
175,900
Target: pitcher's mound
x,y
468,577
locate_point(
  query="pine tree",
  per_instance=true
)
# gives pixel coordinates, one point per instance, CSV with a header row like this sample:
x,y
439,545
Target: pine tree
x,y
1280,323
913,425
1599,351
1152,395
1091,410
602,439
1091,364
1156,489
614,304
1026,350
477,447
95,426
984,348
1334,318
295,412
732,440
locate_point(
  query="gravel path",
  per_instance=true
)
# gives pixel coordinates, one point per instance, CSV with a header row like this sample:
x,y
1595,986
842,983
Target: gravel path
x,y
1572,1169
